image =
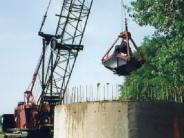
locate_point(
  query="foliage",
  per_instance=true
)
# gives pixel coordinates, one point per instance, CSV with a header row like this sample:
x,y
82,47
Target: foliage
x,y
0,125
0,120
165,15
164,51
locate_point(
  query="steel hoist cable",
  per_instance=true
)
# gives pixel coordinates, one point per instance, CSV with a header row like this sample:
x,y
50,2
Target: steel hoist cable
x,y
123,13
122,61
125,25
45,16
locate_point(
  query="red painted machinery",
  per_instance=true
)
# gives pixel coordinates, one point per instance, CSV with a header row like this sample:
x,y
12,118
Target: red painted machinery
x,y
53,72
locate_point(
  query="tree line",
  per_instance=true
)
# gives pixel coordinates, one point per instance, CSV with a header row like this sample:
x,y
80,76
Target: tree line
x,y
163,72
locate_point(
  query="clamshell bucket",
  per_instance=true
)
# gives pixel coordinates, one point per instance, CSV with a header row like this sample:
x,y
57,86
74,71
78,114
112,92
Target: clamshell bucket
x,y
121,61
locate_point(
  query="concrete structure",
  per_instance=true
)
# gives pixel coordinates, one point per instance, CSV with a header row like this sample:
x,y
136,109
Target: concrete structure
x,y
117,119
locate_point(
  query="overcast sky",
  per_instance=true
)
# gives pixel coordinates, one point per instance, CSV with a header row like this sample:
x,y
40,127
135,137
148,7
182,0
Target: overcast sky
x,y
20,46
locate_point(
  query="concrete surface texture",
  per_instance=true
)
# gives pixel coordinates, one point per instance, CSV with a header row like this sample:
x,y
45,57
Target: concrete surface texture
x,y
156,120
117,119
92,120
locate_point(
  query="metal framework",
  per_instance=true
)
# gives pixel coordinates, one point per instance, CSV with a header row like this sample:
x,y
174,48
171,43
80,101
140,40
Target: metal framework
x,y
60,50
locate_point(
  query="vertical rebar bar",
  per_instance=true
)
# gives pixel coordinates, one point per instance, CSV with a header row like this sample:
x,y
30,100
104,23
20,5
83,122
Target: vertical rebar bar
x,y
86,93
104,92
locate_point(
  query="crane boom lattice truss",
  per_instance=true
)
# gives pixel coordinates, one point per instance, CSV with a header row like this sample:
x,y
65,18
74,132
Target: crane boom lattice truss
x,y
53,71
60,50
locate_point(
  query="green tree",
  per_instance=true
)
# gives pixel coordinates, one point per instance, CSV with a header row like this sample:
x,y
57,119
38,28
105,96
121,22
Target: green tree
x,y
165,15
0,120
164,51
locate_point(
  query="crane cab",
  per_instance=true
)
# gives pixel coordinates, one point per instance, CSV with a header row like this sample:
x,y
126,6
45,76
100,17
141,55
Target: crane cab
x,y
119,57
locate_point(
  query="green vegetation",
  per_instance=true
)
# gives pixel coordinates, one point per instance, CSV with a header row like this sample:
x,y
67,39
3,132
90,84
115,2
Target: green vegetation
x,y
1,134
162,76
0,123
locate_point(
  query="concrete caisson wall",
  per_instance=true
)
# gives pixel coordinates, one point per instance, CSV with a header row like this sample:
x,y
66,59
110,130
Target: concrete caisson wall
x,y
156,120
92,120
117,119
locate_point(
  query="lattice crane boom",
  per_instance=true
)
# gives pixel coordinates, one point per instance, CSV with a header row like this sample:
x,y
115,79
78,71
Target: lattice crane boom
x,y
63,48
55,66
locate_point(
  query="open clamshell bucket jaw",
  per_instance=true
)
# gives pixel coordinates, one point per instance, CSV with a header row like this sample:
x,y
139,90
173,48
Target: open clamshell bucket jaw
x,y
121,61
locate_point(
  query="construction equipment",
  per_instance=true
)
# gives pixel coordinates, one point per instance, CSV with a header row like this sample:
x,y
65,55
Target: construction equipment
x,y
121,61
55,66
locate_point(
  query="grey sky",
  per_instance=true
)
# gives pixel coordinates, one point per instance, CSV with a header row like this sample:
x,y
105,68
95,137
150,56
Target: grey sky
x,y
21,46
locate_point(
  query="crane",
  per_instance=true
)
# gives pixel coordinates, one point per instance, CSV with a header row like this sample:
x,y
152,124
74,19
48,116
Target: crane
x,y
56,63
63,48
55,66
